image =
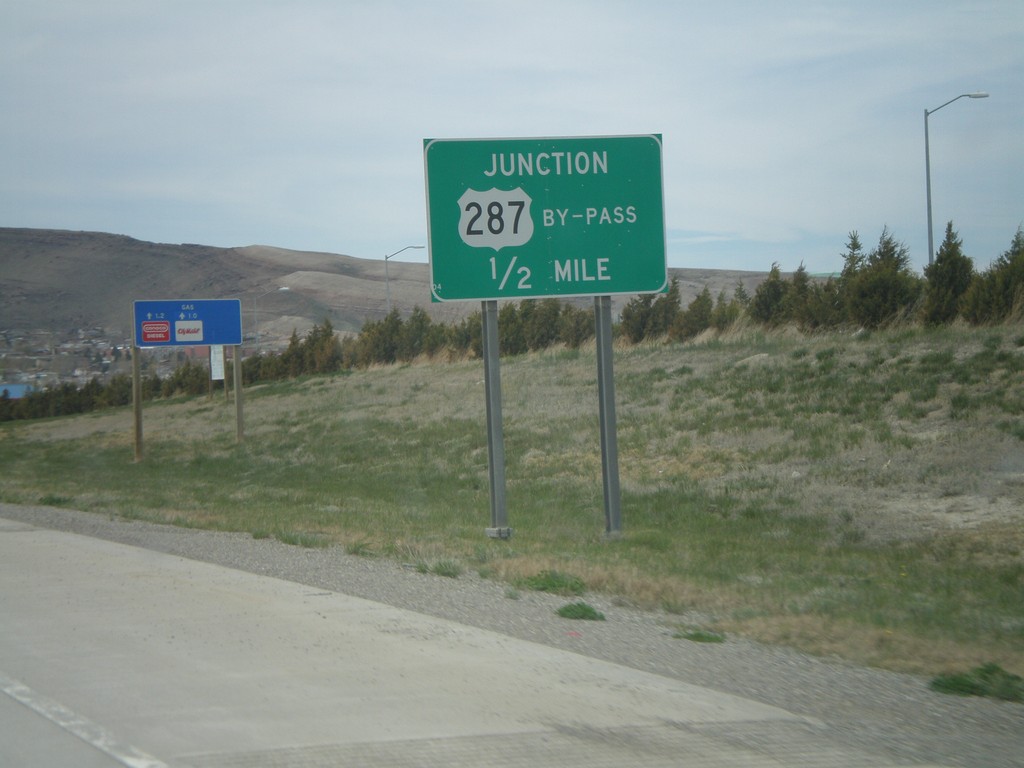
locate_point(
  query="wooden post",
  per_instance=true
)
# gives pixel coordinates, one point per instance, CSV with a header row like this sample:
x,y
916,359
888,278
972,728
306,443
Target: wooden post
x,y
137,401
240,429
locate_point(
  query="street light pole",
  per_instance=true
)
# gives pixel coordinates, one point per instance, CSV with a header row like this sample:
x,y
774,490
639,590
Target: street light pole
x,y
387,277
928,165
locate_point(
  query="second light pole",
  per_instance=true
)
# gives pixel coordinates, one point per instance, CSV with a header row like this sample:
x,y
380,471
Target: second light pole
x,y
928,164
387,278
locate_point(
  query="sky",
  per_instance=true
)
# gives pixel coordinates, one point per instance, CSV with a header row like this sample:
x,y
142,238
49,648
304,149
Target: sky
x,y
300,125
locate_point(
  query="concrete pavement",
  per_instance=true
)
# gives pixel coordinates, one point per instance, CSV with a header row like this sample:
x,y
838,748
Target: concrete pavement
x,y
112,655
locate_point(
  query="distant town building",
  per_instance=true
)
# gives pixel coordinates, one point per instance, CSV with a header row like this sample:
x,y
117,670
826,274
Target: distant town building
x,y
15,391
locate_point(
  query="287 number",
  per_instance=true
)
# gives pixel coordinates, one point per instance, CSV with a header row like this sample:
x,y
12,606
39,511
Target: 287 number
x,y
495,217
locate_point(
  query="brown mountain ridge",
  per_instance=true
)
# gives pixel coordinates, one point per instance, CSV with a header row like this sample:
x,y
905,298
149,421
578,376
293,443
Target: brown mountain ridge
x,y
60,281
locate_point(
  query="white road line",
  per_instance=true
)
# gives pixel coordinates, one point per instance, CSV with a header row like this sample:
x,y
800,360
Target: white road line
x,y
86,730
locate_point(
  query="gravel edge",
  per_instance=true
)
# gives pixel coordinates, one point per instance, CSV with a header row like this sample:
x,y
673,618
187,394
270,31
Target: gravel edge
x,y
862,708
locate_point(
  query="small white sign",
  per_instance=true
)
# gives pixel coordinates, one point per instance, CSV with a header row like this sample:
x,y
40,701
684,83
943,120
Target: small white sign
x,y
217,363
188,331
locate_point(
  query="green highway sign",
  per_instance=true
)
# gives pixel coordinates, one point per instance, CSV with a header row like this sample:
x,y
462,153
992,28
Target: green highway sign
x,y
539,217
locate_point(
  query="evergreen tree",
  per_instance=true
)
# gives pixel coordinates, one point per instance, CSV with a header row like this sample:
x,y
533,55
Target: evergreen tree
x,y
467,336
824,307
947,280
636,318
575,326
291,358
766,306
541,327
378,341
884,287
695,319
853,259
414,336
726,312
649,317
665,311
321,350
853,263
998,293
795,299
117,392
511,338
740,295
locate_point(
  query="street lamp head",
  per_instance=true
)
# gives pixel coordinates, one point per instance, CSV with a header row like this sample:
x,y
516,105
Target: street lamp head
x,y
408,247
387,276
273,290
975,95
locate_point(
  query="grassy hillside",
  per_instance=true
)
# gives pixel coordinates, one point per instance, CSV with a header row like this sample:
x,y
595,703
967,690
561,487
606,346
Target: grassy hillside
x,y
861,495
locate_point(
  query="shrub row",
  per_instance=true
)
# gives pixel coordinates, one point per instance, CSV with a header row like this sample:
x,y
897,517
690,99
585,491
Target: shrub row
x,y
873,289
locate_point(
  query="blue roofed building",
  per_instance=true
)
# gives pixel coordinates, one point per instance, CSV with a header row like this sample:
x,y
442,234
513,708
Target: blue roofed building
x,y
15,391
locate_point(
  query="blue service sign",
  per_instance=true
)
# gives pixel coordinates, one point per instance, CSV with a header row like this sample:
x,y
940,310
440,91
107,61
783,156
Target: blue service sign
x,y
188,323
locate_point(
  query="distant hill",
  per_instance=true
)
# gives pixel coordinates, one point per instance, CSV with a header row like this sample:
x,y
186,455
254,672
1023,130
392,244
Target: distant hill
x,y
62,280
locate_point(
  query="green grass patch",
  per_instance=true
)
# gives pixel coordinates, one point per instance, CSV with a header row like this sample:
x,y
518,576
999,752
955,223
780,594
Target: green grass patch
x,y
555,582
51,500
989,680
451,569
700,635
581,612
360,548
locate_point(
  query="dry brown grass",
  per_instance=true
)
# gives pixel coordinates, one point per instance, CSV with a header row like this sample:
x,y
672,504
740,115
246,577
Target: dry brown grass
x,y
872,646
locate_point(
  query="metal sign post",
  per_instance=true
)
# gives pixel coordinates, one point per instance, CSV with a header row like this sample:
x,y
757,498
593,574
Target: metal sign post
x,y
606,407
137,401
495,439
236,352
534,218
185,323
